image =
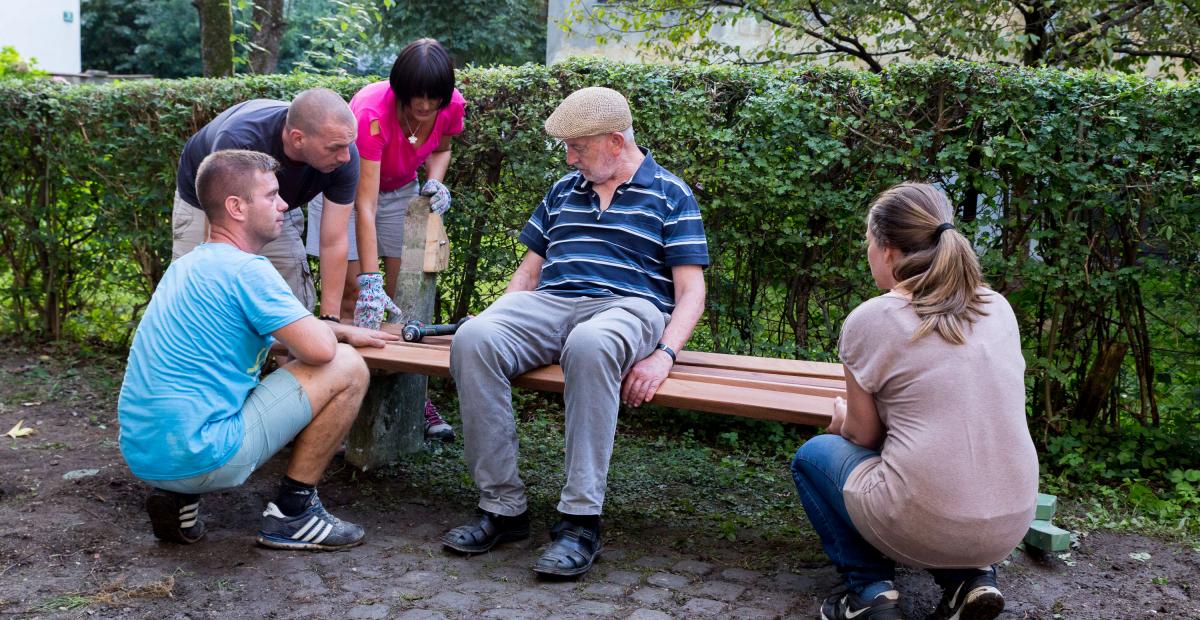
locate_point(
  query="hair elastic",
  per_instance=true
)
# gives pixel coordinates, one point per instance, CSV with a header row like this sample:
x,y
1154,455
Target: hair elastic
x,y
944,226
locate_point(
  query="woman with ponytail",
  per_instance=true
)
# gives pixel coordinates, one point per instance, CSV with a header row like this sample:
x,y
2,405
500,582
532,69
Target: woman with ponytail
x,y
928,462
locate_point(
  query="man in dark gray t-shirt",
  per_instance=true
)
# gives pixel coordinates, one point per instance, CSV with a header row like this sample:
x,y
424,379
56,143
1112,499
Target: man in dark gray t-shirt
x,y
313,139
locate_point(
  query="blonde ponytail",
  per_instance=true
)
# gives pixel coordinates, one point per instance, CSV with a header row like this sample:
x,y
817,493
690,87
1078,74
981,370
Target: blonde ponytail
x,y
938,266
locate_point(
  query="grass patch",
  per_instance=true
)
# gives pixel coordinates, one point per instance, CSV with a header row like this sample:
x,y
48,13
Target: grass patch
x,y
114,593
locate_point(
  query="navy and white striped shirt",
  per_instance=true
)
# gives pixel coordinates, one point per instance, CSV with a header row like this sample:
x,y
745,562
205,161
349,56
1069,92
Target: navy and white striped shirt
x,y
652,224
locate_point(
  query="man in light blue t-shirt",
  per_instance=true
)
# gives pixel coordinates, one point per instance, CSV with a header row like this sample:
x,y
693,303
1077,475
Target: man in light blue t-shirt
x,y
194,416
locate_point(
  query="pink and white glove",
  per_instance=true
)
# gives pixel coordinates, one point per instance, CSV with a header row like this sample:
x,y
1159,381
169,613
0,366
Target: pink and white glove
x,y
439,196
372,301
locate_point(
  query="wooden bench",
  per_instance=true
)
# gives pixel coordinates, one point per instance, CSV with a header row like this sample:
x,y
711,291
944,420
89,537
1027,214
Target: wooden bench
x,y
797,392
391,423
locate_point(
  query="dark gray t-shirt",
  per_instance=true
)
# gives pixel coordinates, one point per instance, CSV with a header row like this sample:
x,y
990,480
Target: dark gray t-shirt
x,y
257,125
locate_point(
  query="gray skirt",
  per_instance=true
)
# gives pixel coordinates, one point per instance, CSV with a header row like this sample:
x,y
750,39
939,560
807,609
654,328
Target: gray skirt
x,y
389,223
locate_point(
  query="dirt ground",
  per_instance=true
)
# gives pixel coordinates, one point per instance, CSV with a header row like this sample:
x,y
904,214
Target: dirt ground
x,y
75,542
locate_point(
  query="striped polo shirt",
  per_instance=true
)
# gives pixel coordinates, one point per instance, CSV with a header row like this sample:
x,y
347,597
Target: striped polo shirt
x,y
628,250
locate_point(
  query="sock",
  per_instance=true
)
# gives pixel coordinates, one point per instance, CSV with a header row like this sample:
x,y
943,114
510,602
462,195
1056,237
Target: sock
x,y
293,496
591,522
183,498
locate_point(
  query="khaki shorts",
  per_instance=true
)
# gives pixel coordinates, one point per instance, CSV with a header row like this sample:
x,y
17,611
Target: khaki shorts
x,y
389,224
274,413
189,228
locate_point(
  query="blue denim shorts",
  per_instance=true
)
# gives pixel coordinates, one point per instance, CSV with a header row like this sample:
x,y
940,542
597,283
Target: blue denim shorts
x,y
276,411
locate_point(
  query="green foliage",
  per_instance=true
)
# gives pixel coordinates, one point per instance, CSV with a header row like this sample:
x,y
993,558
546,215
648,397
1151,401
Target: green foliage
x,y
154,37
505,32
162,37
1081,192
1087,33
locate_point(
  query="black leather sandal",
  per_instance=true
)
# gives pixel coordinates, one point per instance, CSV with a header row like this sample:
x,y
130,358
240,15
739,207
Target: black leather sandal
x,y
485,532
572,553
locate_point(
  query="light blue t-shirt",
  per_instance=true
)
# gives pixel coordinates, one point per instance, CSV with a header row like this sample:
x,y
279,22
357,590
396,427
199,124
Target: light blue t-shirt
x,y
196,357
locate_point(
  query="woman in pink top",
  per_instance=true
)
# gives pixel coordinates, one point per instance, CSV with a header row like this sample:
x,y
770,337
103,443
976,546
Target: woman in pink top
x,y
403,123
928,462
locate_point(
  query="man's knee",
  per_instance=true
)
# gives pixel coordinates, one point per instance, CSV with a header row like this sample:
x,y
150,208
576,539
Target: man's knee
x,y
593,344
475,341
349,369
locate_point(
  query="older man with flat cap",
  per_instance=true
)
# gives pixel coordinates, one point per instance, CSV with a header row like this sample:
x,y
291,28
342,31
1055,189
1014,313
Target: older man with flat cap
x,y
610,287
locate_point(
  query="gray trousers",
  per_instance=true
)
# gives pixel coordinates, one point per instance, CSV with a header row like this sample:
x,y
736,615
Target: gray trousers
x,y
596,340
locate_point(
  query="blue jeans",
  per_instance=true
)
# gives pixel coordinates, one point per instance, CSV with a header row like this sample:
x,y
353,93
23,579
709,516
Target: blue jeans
x,y
821,467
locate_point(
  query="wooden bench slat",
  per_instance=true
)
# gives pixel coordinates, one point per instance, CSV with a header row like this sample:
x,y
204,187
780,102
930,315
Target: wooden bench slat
x,y
762,364
791,403
716,361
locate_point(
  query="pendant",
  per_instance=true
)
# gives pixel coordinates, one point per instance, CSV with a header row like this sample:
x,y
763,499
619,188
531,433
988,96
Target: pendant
x,y
412,139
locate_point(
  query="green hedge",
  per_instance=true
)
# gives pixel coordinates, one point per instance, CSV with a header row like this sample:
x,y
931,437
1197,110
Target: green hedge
x,y
1080,190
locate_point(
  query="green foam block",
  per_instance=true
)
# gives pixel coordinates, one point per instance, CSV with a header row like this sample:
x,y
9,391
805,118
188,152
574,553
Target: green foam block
x,y
1047,505
1047,537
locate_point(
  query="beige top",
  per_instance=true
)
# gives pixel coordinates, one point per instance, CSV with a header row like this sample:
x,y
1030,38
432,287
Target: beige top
x,y
956,483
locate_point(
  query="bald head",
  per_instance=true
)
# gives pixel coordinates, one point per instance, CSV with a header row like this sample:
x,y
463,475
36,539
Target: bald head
x,y
314,109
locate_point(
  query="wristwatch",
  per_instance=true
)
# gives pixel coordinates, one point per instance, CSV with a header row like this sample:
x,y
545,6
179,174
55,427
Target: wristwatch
x,y
668,350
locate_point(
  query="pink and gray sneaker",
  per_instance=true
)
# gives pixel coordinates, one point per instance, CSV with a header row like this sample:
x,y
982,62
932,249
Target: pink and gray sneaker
x,y
435,426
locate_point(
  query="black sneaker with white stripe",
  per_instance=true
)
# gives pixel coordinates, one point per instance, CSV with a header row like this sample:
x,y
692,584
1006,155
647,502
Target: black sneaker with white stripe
x,y
175,517
843,604
976,598
313,529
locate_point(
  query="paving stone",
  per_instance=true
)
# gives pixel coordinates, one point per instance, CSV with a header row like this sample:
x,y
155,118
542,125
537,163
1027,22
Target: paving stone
x,y
769,599
308,581
615,555
721,590
456,601
560,586
421,578
694,567
654,561
703,607
741,575
668,580
358,586
754,613
651,596
794,583
649,614
405,593
503,613
610,590
421,614
369,612
623,577
539,597
481,586
512,574
593,608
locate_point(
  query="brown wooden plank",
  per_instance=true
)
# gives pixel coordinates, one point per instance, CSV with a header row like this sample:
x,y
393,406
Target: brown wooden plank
x,y
709,371
790,388
717,361
762,364
746,398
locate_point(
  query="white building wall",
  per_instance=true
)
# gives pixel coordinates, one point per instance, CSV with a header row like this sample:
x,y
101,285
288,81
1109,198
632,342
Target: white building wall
x,y
47,30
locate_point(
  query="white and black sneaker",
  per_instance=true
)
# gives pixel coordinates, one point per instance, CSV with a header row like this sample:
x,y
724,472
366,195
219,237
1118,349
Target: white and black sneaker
x,y
313,529
843,604
175,517
977,598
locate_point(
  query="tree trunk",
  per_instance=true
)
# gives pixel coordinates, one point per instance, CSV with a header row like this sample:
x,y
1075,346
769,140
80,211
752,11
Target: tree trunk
x,y
216,37
264,43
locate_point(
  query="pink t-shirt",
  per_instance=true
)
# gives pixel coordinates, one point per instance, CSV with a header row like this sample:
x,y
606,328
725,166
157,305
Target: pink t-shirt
x,y
399,160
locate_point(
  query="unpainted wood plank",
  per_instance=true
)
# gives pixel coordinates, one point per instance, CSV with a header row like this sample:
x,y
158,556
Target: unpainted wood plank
x,y
748,399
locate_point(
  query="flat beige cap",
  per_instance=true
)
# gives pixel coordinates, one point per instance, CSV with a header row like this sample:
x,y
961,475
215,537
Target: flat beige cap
x,y
589,111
